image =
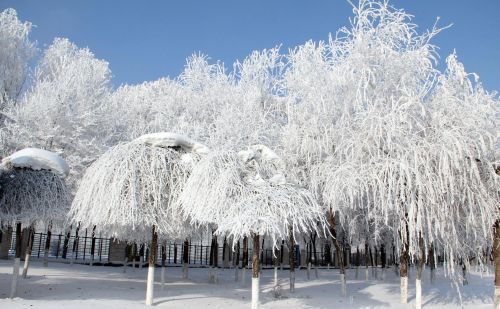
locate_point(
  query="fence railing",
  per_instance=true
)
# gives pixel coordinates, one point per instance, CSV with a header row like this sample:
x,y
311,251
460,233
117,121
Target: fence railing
x,y
79,249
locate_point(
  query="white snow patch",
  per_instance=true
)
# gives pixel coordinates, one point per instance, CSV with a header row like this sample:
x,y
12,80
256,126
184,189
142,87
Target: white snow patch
x,y
259,152
64,286
37,159
265,153
278,180
168,139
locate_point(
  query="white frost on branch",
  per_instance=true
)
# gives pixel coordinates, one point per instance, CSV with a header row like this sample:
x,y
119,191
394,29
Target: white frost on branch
x,y
245,197
132,187
32,197
389,142
37,159
63,110
16,50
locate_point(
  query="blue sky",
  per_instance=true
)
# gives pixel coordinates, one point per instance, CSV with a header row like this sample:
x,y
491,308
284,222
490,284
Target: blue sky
x,y
145,40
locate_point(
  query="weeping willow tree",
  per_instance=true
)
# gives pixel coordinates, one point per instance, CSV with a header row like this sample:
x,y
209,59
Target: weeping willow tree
x,y
389,142
32,193
129,192
245,194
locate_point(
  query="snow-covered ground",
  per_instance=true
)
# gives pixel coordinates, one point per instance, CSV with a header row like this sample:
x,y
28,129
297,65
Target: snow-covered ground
x,y
81,286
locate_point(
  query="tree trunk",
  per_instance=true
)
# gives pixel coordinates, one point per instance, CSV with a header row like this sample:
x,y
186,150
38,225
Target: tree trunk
x,y
244,263
403,271
371,257
420,265
133,254
291,250
236,261
255,272
75,244
308,258
185,259
432,263
163,266
151,267
281,254
225,251
383,256
6,242
92,247
328,255
216,260
262,253
496,257
47,246
357,261
17,261
211,261
29,246
66,243
339,250
276,262
315,254
367,260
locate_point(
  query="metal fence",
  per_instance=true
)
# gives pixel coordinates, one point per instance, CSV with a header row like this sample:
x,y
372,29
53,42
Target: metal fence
x,y
79,249
75,247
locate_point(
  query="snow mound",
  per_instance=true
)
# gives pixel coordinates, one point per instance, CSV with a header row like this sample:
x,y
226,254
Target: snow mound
x,y
168,139
37,159
262,154
259,152
265,153
278,180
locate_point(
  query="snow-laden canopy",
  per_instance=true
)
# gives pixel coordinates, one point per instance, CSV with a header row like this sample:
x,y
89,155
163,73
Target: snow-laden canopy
x,y
133,186
391,144
245,193
168,139
32,188
37,159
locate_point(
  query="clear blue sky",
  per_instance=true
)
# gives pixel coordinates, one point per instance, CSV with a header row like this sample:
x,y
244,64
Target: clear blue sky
x,y
145,40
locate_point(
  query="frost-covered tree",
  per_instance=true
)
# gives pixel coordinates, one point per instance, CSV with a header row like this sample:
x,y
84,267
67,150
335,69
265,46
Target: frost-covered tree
x,y
245,194
16,50
373,132
32,192
129,193
462,139
64,109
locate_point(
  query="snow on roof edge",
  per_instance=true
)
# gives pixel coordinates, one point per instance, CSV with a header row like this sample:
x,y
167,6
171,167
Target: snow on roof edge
x,y
37,159
169,139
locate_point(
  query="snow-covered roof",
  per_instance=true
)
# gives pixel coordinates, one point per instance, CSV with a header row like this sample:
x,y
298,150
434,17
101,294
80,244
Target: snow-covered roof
x,y
168,139
37,159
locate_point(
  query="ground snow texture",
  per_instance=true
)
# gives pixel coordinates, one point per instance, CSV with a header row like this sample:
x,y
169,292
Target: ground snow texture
x,y
62,286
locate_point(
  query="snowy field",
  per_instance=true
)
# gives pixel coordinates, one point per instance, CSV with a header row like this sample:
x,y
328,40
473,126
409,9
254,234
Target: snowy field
x,y
82,286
